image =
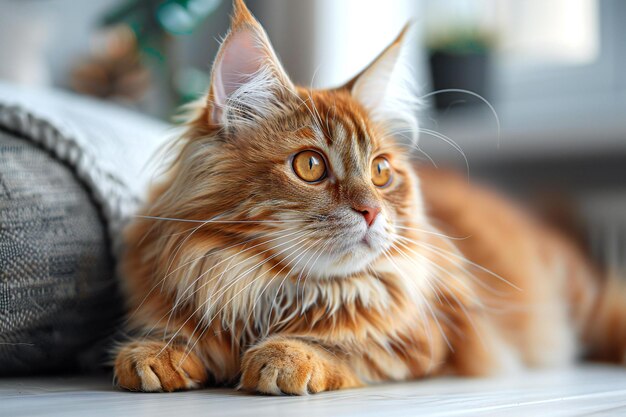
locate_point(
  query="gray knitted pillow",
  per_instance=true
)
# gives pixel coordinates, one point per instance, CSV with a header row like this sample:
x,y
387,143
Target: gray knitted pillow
x,y
58,294
72,172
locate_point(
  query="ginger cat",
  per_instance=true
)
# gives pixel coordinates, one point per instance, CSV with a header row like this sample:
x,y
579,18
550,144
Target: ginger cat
x,y
293,248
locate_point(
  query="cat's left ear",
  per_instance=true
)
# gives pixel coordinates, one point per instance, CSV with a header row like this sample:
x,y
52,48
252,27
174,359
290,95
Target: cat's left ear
x,y
386,88
248,82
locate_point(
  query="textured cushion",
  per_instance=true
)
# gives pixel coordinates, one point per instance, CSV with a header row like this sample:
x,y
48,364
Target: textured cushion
x,y
72,172
57,288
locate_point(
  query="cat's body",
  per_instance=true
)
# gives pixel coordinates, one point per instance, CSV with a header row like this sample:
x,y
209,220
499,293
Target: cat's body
x,y
255,273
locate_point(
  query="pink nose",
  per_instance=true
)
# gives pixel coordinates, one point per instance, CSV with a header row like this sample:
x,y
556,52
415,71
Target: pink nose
x,y
369,213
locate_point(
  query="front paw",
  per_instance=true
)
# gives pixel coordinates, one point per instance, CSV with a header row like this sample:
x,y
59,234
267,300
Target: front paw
x,y
154,367
284,366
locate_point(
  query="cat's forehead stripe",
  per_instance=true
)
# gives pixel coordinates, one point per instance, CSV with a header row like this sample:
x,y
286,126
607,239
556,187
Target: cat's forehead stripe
x,y
356,158
337,149
337,163
364,139
349,151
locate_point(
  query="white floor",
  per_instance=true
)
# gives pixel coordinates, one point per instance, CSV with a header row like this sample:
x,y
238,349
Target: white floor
x,y
585,391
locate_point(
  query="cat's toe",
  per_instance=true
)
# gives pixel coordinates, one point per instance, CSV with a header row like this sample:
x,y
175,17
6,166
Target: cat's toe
x,y
150,367
281,367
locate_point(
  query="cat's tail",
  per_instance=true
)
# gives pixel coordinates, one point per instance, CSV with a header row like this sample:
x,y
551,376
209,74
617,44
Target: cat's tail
x,y
605,332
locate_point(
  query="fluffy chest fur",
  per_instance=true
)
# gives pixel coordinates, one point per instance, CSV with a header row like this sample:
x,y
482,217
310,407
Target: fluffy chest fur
x,y
385,320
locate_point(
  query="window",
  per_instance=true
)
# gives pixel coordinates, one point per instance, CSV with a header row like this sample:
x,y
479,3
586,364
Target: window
x,y
540,48
536,33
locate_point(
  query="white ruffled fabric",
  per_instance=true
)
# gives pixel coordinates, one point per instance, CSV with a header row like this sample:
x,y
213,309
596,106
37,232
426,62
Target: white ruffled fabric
x,y
108,147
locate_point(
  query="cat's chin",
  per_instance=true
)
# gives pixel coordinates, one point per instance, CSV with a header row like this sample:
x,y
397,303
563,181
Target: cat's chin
x,y
351,258
356,259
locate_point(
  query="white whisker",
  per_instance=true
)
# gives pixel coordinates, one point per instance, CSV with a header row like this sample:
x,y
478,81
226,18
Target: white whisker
x,y
223,290
173,309
430,232
471,93
172,219
464,259
451,292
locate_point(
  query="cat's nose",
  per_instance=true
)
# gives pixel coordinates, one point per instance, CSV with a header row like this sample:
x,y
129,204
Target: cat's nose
x,y
369,213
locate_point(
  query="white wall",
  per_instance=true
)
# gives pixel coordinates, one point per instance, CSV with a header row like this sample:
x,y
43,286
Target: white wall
x,y
325,42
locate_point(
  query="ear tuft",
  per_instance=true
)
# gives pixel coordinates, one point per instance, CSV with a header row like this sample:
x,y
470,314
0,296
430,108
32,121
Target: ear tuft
x,y
248,83
241,14
386,88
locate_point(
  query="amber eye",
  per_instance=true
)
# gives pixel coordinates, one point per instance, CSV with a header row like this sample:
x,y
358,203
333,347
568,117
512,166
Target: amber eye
x,y
381,172
310,166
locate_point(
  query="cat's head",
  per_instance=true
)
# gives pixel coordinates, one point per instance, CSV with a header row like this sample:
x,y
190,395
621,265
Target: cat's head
x,y
315,174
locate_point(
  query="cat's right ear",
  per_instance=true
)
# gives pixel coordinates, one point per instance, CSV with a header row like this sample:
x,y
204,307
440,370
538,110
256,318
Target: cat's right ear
x,y
248,82
386,89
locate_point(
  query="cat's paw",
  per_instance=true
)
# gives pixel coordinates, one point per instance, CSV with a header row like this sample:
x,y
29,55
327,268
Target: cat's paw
x,y
152,367
284,366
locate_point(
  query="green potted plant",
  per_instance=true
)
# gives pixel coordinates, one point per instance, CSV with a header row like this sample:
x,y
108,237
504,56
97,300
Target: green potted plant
x,y
460,38
460,59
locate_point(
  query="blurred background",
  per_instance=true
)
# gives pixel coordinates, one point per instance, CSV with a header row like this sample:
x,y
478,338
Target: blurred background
x,y
542,114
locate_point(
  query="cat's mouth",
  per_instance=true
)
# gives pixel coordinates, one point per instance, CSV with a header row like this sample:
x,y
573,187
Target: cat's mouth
x,y
369,240
358,255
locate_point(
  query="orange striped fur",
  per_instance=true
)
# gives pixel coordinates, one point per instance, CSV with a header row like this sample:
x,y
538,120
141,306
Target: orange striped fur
x,y
247,275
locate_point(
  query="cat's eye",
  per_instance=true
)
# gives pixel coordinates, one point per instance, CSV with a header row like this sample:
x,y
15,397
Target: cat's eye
x,y
381,172
309,166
